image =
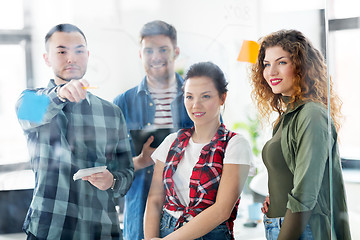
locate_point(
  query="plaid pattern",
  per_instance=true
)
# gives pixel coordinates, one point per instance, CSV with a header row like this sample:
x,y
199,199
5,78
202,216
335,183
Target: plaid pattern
x,y
205,178
74,136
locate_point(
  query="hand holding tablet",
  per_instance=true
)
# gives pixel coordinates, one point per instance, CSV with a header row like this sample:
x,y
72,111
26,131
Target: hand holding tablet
x,y
139,137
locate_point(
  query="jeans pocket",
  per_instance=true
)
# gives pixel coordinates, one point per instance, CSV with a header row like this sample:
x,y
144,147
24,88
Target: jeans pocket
x,y
167,224
221,232
164,221
272,228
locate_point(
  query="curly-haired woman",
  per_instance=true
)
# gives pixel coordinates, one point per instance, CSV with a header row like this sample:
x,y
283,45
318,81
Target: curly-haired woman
x,y
290,78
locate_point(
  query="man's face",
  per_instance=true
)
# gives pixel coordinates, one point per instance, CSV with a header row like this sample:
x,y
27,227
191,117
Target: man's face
x,y
67,55
158,57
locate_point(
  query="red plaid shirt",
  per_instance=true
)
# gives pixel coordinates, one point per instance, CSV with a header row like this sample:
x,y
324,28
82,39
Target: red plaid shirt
x,y
205,177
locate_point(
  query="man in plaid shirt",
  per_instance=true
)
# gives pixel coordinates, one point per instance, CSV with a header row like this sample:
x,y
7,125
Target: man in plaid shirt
x,y
78,130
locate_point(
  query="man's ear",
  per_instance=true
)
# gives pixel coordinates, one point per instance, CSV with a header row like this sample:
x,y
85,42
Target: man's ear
x,y
46,59
140,55
177,52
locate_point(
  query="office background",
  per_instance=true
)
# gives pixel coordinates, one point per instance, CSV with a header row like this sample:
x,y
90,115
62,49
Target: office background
x,y
208,30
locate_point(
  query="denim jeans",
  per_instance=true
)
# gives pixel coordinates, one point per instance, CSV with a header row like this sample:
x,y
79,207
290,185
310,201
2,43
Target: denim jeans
x,y
273,225
168,222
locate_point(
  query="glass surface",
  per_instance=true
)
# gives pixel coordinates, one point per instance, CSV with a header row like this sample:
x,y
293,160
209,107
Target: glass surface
x,y
344,9
345,51
12,141
207,30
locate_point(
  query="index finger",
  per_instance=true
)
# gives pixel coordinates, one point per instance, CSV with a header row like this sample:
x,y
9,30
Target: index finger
x,y
84,82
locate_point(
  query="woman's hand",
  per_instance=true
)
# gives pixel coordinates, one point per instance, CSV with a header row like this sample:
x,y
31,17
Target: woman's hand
x,y
266,204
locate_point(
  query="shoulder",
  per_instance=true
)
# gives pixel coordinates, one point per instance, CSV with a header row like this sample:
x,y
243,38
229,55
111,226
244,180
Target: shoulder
x,y
311,109
171,137
128,94
238,139
312,113
309,120
160,152
238,150
239,143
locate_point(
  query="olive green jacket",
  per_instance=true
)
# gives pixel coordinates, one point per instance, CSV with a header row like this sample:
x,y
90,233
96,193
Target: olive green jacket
x,y
304,142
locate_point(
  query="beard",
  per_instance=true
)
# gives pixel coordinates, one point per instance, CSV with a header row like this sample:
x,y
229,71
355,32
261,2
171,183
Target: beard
x,y
68,79
162,76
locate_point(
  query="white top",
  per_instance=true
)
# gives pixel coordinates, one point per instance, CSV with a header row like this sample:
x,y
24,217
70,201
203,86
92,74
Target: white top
x,y
238,151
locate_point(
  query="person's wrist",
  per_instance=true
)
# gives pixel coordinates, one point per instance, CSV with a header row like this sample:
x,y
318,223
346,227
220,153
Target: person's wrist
x,y
113,183
58,94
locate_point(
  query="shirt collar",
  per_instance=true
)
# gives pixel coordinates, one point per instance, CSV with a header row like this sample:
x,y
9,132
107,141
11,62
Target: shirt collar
x,y
294,106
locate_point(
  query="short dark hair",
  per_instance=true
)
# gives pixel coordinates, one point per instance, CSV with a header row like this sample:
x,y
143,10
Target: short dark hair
x,y
63,27
159,27
210,70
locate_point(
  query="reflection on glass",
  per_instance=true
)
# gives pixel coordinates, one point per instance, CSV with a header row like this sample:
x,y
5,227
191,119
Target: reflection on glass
x,y
12,82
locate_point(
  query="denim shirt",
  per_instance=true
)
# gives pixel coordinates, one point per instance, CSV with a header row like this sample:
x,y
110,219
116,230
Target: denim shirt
x,y
139,111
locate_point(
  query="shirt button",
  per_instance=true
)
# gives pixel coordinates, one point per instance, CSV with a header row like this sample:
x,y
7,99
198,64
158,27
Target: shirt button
x,y
148,171
151,104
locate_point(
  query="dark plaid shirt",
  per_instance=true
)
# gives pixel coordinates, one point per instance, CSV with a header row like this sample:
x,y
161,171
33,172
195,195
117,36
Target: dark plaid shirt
x,y
205,178
70,137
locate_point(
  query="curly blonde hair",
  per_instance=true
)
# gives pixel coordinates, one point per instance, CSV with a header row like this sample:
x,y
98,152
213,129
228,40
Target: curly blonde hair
x,y
310,81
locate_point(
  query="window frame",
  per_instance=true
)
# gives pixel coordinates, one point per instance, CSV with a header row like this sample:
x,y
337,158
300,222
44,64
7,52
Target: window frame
x,y
20,37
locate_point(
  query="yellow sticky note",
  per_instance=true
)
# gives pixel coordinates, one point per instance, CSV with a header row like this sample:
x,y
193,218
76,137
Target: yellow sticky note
x,y
249,51
91,87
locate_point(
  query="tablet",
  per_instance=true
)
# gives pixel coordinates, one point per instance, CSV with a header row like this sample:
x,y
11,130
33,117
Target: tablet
x,y
139,137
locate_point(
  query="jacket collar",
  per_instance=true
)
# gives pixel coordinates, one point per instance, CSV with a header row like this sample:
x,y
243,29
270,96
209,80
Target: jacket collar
x,y
143,87
294,106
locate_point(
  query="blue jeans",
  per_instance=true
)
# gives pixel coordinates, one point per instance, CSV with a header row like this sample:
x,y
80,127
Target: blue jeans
x,y
273,225
168,222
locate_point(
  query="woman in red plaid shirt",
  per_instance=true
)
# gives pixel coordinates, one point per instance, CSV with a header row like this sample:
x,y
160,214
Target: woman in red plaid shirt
x,y
199,172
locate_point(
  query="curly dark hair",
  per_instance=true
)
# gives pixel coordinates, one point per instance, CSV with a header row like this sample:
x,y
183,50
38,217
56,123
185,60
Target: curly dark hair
x,y
310,81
